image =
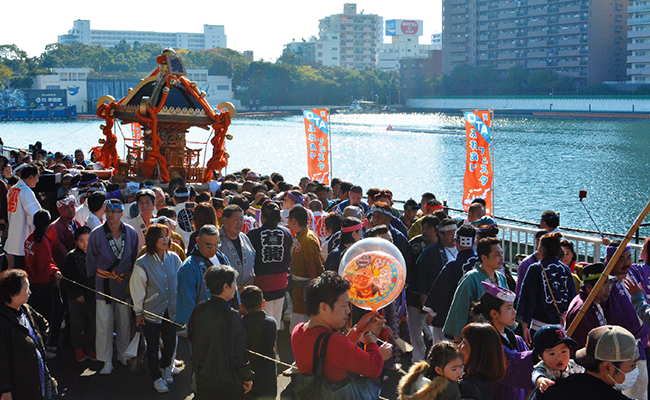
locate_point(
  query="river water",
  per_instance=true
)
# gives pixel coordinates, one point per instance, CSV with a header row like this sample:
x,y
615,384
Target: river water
x,y
539,164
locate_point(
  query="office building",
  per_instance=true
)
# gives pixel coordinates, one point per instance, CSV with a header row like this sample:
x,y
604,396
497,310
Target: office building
x,y
213,36
436,40
405,43
584,39
414,72
84,91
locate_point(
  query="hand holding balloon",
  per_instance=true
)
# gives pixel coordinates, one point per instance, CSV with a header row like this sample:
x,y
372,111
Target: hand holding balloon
x,y
365,320
375,269
375,325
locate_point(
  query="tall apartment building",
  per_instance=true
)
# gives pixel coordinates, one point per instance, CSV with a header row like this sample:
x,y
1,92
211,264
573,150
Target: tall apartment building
x,y
213,36
639,45
349,40
579,38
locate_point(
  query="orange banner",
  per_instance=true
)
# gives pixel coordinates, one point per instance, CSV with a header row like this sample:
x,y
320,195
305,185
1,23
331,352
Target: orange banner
x,y
478,169
318,145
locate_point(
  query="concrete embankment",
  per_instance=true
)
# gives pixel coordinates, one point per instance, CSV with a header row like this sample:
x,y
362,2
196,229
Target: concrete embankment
x,y
542,106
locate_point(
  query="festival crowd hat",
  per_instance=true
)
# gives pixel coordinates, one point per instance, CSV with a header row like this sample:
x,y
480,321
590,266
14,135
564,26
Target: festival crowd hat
x,y
608,343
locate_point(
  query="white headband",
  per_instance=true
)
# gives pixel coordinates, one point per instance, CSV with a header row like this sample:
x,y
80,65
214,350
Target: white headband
x,y
465,241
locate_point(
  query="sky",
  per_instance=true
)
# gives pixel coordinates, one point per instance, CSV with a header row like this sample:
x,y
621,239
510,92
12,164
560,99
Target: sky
x,y
259,25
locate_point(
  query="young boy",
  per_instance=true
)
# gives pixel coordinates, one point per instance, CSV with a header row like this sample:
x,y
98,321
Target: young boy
x,y
81,301
261,334
552,346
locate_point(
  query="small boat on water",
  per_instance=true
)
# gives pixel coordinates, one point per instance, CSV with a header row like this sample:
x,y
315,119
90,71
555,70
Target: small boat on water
x,y
360,107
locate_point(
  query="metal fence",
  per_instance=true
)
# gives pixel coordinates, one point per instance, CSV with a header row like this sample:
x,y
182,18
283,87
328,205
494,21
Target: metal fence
x,y
519,240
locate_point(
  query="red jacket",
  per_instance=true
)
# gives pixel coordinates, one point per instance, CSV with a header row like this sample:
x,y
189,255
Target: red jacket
x,y
39,265
343,356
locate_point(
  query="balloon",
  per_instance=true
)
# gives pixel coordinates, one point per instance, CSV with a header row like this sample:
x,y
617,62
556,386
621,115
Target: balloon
x,y
376,271
371,244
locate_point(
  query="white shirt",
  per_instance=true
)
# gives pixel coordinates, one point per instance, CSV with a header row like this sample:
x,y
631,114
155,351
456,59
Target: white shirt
x,y
82,213
184,217
21,207
93,221
138,224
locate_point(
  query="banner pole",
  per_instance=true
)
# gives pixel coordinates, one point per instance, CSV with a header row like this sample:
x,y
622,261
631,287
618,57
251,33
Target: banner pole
x,y
329,124
610,265
492,155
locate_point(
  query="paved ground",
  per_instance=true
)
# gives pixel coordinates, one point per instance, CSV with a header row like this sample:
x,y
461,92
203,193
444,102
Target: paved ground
x,y
81,381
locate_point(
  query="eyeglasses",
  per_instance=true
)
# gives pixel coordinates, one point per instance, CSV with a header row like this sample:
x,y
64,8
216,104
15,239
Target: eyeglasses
x,y
211,246
111,207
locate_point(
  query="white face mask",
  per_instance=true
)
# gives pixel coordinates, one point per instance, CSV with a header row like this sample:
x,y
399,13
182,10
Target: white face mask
x,y
630,379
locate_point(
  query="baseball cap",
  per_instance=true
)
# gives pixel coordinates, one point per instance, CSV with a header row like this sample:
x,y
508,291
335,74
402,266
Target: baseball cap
x,y
550,336
608,343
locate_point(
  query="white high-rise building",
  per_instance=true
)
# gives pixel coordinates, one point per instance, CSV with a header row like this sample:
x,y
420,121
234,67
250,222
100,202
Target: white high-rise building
x,y
349,40
639,44
213,36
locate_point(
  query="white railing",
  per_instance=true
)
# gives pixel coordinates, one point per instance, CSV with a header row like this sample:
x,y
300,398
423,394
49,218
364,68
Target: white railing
x,y
521,240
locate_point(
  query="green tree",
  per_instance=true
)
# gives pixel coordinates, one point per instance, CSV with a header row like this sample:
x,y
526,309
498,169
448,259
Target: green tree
x,y
5,75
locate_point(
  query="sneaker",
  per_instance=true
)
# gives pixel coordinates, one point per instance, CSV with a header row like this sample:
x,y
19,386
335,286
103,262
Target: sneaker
x,y
160,385
175,371
81,357
108,368
92,356
167,374
49,355
178,363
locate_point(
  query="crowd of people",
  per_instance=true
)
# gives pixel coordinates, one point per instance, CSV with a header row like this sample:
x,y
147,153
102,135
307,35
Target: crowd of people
x,y
228,264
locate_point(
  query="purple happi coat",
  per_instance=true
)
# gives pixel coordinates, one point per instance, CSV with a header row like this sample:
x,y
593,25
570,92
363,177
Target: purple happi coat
x,y
516,384
619,311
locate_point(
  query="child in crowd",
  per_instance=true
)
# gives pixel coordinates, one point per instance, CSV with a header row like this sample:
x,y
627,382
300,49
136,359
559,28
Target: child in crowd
x,y
436,378
66,184
496,306
552,346
261,334
81,301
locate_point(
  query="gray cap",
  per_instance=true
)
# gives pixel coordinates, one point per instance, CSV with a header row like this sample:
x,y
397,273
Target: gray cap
x,y
608,343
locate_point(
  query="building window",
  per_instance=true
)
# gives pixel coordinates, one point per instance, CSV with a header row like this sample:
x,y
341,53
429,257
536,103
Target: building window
x,y
52,87
223,87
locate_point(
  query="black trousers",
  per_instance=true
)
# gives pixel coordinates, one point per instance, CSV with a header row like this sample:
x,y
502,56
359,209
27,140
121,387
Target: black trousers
x,y
152,332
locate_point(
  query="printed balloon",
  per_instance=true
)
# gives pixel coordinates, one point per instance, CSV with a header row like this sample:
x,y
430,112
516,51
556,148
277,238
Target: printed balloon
x,y
376,276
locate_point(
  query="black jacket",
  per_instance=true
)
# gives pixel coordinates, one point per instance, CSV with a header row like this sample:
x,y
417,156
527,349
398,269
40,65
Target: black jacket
x,y
219,355
18,360
579,387
261,333
442,292
75,269
472,388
